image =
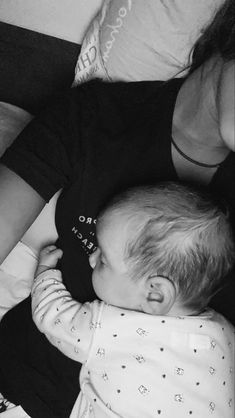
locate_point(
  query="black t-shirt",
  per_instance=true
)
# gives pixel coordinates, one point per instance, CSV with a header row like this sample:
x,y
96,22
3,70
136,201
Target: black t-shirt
x,y
95,141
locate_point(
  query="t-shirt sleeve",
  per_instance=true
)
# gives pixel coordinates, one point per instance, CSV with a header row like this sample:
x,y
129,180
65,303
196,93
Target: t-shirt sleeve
x,y
47,150
67,324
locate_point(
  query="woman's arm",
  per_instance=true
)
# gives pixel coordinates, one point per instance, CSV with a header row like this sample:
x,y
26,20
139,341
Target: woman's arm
x,y
20,204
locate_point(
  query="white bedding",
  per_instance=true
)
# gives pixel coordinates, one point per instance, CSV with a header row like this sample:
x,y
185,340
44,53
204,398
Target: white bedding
x,y
16,274
136,40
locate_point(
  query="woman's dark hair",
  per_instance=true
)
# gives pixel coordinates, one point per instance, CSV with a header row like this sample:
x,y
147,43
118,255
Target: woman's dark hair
x,y
217,38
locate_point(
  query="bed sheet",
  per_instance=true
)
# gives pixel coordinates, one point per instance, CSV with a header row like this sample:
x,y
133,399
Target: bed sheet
x,y
9,410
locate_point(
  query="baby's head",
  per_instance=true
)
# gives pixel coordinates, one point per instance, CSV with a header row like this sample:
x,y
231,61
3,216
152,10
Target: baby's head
x,y
163,250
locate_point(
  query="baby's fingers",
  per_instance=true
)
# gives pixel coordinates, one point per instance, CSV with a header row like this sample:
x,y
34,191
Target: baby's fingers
x,y
50,255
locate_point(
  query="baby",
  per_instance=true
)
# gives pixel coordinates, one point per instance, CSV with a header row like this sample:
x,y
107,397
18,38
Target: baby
x,y
150,346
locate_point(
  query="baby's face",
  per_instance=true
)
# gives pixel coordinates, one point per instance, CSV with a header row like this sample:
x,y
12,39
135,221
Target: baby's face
x,y
111,280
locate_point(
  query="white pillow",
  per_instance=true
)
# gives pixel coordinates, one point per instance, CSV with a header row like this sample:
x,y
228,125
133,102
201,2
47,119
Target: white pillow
x,y
136,40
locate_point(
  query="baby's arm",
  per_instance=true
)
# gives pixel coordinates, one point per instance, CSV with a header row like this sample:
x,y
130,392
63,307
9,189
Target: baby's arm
x,y
48,259
64,321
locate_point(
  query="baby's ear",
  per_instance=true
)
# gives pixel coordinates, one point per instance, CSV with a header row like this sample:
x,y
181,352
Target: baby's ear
x,y
160,295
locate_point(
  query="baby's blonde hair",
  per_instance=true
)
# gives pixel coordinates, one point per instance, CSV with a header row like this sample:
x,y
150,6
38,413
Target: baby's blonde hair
x,y
179,232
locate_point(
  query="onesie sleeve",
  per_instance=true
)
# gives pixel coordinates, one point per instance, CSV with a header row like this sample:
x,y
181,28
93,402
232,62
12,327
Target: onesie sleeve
x,y
67,324
48,149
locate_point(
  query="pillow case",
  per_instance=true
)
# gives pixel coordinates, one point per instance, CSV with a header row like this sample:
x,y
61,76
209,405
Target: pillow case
x,y
136,40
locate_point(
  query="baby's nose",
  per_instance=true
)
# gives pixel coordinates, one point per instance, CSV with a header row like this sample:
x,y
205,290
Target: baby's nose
x,y
93,258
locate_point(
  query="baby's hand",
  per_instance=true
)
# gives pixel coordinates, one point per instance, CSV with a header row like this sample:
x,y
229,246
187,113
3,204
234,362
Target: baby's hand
x,y
48,258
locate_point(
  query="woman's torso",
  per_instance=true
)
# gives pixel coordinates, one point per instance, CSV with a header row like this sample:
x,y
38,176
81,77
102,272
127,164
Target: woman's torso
x,y
126,140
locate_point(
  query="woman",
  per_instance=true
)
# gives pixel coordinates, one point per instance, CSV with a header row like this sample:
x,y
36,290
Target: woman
x,y
94,141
